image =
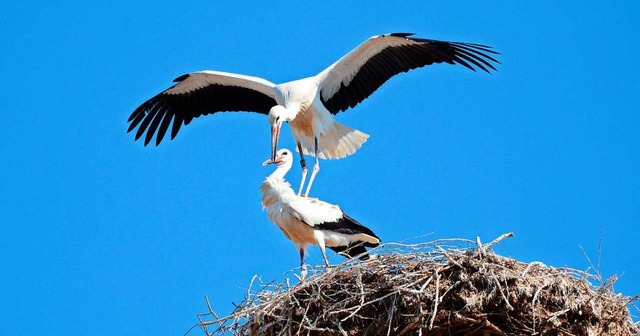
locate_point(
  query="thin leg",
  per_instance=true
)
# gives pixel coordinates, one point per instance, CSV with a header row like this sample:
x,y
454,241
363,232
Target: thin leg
x,y
320,240
303,163
316,168
324,255
303,266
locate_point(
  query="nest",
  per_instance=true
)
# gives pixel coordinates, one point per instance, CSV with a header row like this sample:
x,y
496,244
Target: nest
x,y
446,287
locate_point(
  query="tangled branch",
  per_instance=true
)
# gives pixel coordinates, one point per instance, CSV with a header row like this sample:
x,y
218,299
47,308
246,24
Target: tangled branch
x,y
445,287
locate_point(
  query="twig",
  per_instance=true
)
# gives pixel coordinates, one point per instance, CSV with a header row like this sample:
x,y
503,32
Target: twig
x,y
206,297
506,301
499,239
598,276
410,285
435,302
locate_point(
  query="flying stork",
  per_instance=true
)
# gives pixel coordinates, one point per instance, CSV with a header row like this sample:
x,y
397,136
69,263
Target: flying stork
x,y
308,104
310,221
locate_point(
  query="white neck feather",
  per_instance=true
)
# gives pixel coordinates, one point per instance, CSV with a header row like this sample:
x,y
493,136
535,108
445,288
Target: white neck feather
x,y
276,191
281,170
276,184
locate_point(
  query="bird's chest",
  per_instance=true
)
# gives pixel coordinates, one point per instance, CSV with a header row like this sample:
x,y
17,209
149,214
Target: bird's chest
x,y
303,122
297,231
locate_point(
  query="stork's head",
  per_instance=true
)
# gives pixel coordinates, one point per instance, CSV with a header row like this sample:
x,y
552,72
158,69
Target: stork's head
x,y
277,116
283,157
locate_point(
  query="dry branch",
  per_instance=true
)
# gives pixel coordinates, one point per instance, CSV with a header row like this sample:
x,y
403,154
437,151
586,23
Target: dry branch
x,y
445,287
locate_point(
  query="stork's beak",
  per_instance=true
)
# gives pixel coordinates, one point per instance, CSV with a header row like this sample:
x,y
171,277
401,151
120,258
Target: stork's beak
x,y
275,136
270,161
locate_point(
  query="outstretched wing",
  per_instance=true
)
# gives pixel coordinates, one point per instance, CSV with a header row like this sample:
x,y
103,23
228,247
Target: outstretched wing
x,y
197,94
362,71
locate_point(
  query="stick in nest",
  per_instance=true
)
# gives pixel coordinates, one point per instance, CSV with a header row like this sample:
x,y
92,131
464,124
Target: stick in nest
x,y
444,287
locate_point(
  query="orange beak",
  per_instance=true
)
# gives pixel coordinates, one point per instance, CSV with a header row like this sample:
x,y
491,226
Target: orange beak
x,y
271,161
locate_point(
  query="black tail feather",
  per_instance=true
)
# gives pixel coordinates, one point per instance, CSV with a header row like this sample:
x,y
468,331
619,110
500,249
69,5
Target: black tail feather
x,y
346,225
353,250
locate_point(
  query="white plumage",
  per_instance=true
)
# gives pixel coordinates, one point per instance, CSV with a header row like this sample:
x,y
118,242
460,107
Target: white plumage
x,y
307,104
309,221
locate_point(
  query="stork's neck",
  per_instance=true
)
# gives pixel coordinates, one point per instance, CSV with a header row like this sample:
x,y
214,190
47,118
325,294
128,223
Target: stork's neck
x,y
275,189
281,171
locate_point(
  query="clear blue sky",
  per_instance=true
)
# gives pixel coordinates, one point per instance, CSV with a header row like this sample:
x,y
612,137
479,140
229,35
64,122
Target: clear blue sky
x,y
103,236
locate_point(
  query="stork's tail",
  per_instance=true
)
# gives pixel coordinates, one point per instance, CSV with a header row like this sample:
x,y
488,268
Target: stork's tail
x,y
356,249
360,237
337,143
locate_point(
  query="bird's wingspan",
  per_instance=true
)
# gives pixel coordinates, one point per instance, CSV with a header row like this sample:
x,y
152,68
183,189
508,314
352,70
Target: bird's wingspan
x,y
200,93
362,71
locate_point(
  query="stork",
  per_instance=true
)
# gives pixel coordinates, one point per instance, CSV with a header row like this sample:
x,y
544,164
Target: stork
x,y
310,221
308,104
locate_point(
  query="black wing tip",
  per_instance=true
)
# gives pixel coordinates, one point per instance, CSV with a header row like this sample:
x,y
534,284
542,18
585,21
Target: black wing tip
x,y
477,53
131,128
181,78
146,142
148,137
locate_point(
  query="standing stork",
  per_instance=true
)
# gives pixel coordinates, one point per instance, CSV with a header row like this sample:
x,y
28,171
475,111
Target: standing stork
x,y
310,221
308,104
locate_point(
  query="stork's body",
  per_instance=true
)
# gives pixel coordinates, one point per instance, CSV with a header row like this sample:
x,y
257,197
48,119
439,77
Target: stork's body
x,y
309,221
308,104
313,128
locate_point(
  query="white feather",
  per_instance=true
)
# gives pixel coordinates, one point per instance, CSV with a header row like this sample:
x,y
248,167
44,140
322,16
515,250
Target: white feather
x,y
201,79
298,216
346,68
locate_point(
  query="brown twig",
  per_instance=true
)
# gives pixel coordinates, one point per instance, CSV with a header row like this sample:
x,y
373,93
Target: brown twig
x,y
439,288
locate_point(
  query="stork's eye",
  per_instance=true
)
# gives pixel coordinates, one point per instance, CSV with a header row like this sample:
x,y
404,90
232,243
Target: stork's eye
x,y
285,153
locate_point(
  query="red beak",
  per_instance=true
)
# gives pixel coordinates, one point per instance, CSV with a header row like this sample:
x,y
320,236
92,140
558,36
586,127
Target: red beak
x,y
275,136
271,161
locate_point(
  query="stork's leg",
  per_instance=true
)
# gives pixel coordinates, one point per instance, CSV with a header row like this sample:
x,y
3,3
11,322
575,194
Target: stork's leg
x,y
316,168
303,163
303,266
324,255
321,244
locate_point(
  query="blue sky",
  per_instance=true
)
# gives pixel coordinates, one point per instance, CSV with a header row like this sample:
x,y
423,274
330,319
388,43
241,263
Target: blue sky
x,y
101,235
